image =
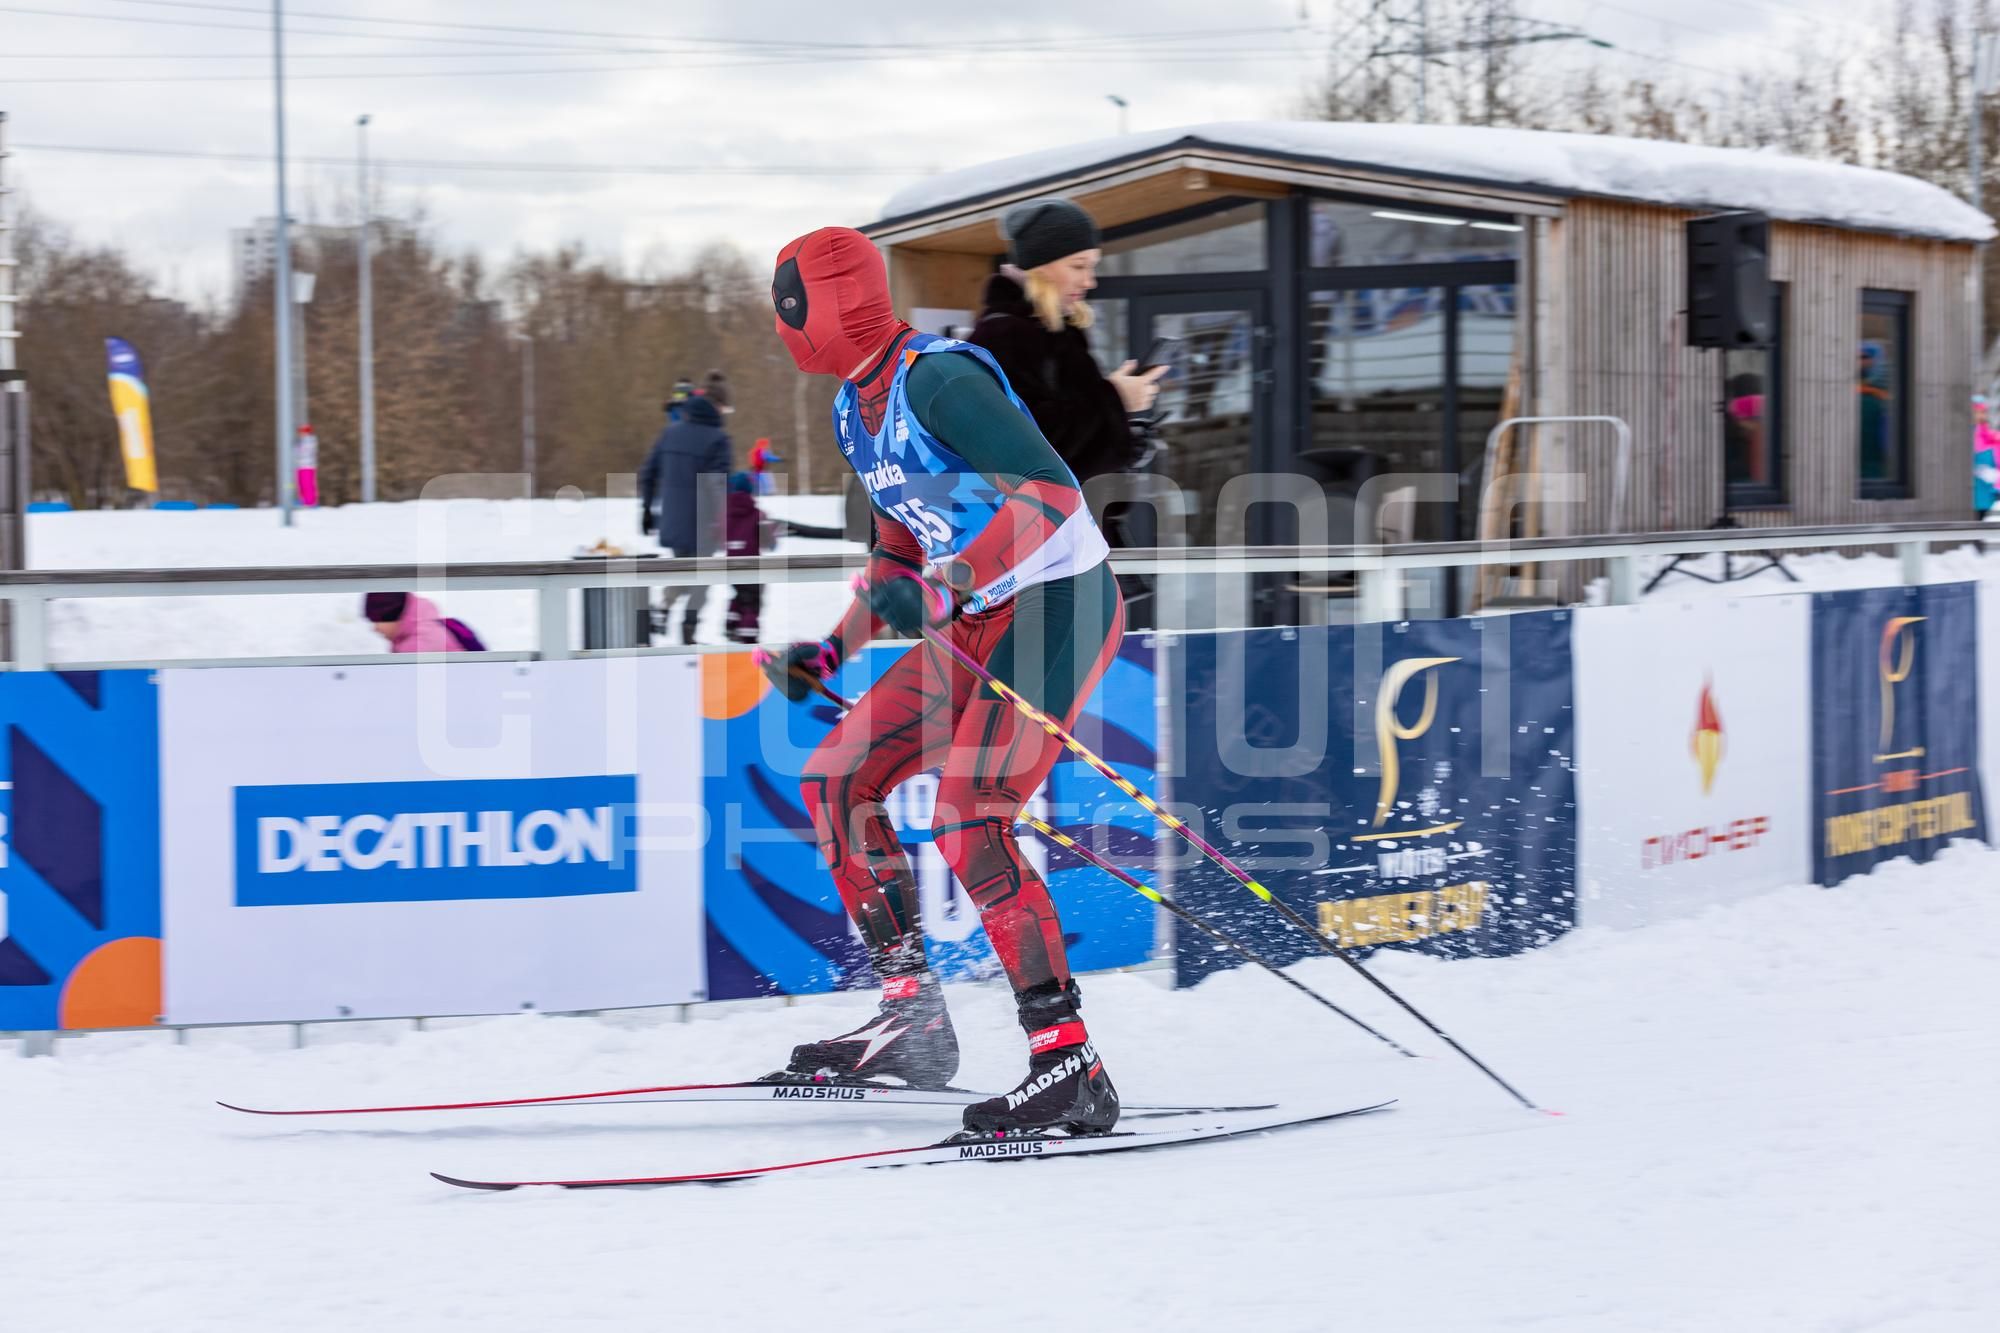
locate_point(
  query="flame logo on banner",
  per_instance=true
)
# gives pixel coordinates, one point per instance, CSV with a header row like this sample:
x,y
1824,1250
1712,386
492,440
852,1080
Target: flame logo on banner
x,y
1389,729
1707,741
1895,669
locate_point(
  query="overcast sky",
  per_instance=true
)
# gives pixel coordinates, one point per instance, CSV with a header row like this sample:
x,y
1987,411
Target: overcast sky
x,y
835,122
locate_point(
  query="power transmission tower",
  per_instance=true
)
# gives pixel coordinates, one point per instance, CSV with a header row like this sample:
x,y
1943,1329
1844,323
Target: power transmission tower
x,y
1392,58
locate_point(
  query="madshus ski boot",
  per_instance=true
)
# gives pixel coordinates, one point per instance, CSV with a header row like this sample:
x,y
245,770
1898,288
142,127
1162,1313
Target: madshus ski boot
x,y
909,1039
1066,1091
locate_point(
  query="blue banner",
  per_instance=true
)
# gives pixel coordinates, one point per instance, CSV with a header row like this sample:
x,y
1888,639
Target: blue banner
x,y
1404,785
775,924
1895,719
401,842
79,849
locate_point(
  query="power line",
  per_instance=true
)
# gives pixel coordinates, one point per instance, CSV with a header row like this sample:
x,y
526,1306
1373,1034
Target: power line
x,y
1112,39
697,63
265,29
467,164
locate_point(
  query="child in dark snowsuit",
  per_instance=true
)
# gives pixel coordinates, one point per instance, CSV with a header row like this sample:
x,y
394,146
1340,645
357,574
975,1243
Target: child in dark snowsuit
x,y
745,532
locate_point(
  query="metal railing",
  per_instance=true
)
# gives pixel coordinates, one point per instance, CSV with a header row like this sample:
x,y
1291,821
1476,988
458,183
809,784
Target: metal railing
x,y
1379,574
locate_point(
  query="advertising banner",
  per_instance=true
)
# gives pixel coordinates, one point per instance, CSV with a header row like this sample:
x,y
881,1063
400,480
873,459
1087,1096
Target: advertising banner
x,y
1397,785
79,850
1895,699
1989,698
431,838
1691,725
775,924
133,406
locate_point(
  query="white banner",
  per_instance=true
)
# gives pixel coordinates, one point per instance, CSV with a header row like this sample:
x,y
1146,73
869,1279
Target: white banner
x,y
1693,755
431,838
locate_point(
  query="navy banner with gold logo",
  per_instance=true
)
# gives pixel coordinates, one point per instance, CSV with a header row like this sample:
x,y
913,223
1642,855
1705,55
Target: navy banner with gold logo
x,y
1397,785
1895,719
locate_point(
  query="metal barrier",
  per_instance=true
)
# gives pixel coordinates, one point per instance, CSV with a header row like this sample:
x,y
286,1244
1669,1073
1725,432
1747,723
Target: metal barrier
x,y
1379,572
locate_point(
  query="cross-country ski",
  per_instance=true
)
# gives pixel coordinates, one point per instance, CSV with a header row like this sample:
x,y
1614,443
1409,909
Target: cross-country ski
x,y
801,1093
986,1148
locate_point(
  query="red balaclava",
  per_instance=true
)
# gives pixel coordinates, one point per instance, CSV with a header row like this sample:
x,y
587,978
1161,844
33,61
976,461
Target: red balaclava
x,y
832,297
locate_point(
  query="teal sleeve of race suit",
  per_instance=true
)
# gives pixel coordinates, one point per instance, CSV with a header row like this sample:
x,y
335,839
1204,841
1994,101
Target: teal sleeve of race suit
x,y
958,400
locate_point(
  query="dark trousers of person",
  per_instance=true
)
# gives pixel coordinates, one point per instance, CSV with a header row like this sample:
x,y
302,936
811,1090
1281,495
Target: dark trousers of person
x,y
745,609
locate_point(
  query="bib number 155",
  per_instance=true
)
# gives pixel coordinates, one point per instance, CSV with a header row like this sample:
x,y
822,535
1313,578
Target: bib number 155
x,y
930,527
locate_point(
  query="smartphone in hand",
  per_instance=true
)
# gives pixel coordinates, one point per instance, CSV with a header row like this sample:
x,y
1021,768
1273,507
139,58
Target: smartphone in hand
x,y
1164,352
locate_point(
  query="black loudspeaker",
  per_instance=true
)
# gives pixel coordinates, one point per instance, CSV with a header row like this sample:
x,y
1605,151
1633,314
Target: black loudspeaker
x,y
1729,280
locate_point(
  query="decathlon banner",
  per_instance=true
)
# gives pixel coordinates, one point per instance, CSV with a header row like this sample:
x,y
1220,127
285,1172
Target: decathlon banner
x,y
431,838
1691,727
1401,784
132,405
1895,697
775,924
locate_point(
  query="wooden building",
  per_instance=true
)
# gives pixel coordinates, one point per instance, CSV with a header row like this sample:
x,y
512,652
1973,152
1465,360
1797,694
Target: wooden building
x,y
1370,300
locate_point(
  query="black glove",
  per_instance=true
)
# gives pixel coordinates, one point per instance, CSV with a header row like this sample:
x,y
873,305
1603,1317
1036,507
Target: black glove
x,y
646,523
796,669
910,603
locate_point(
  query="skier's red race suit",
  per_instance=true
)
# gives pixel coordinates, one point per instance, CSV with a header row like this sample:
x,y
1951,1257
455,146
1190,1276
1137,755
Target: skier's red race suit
x,y
966,489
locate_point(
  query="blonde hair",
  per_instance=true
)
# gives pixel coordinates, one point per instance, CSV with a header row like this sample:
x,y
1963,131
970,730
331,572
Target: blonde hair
x,y
1046,298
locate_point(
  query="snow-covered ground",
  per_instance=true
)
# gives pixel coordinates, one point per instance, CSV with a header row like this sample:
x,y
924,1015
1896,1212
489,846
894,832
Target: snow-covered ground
x,y
1779,1119
454,531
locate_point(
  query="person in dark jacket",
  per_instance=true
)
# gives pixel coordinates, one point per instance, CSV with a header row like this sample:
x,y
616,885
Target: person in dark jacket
x,y
1032,318
670,494
745,532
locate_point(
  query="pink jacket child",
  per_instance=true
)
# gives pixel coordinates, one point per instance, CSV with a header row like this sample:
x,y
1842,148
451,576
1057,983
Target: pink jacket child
x,y
412,624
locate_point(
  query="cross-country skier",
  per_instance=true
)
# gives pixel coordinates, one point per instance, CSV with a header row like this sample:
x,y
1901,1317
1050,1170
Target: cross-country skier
x,y
983,537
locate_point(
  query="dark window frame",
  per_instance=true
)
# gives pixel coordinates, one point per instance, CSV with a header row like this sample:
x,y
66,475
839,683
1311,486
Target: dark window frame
x,y
1900,485
1738,495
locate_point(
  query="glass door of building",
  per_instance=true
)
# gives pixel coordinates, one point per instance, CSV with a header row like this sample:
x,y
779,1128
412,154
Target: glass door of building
x,y
1214,398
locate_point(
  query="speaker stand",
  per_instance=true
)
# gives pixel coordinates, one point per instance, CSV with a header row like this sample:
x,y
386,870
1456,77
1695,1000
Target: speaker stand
x,y
1756,563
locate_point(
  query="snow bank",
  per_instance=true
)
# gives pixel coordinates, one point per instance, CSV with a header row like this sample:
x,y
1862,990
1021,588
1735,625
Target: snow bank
x,y
1685,175
1777,1117
158,629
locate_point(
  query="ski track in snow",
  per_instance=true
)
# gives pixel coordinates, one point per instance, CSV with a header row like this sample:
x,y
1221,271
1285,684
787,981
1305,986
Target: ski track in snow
x,y
1778,1118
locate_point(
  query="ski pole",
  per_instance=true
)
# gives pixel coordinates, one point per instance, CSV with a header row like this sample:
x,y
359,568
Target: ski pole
x,y
1159,899
1201,844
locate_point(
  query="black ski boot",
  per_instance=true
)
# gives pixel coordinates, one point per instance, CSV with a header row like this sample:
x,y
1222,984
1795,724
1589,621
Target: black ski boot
x,y
1067,1090
910,1038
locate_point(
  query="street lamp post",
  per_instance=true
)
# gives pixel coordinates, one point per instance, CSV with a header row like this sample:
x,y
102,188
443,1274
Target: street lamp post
x,y
281,280
367,324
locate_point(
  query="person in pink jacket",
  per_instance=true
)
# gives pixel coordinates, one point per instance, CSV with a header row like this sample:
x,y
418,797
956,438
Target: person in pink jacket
x,y
413,624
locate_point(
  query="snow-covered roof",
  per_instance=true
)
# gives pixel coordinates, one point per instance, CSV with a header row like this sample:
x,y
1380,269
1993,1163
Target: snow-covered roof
x,y
1651,171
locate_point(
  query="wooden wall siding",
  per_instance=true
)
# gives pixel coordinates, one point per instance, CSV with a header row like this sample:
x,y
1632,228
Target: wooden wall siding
x,y
936,278
1614,345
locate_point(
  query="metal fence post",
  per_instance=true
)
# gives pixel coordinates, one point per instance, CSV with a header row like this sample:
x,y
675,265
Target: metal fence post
x,y
1910,555
1381,595
1624,585
552,621
30,626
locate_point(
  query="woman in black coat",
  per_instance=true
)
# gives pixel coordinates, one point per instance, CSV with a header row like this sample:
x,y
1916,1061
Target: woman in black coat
x,y
1032,317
